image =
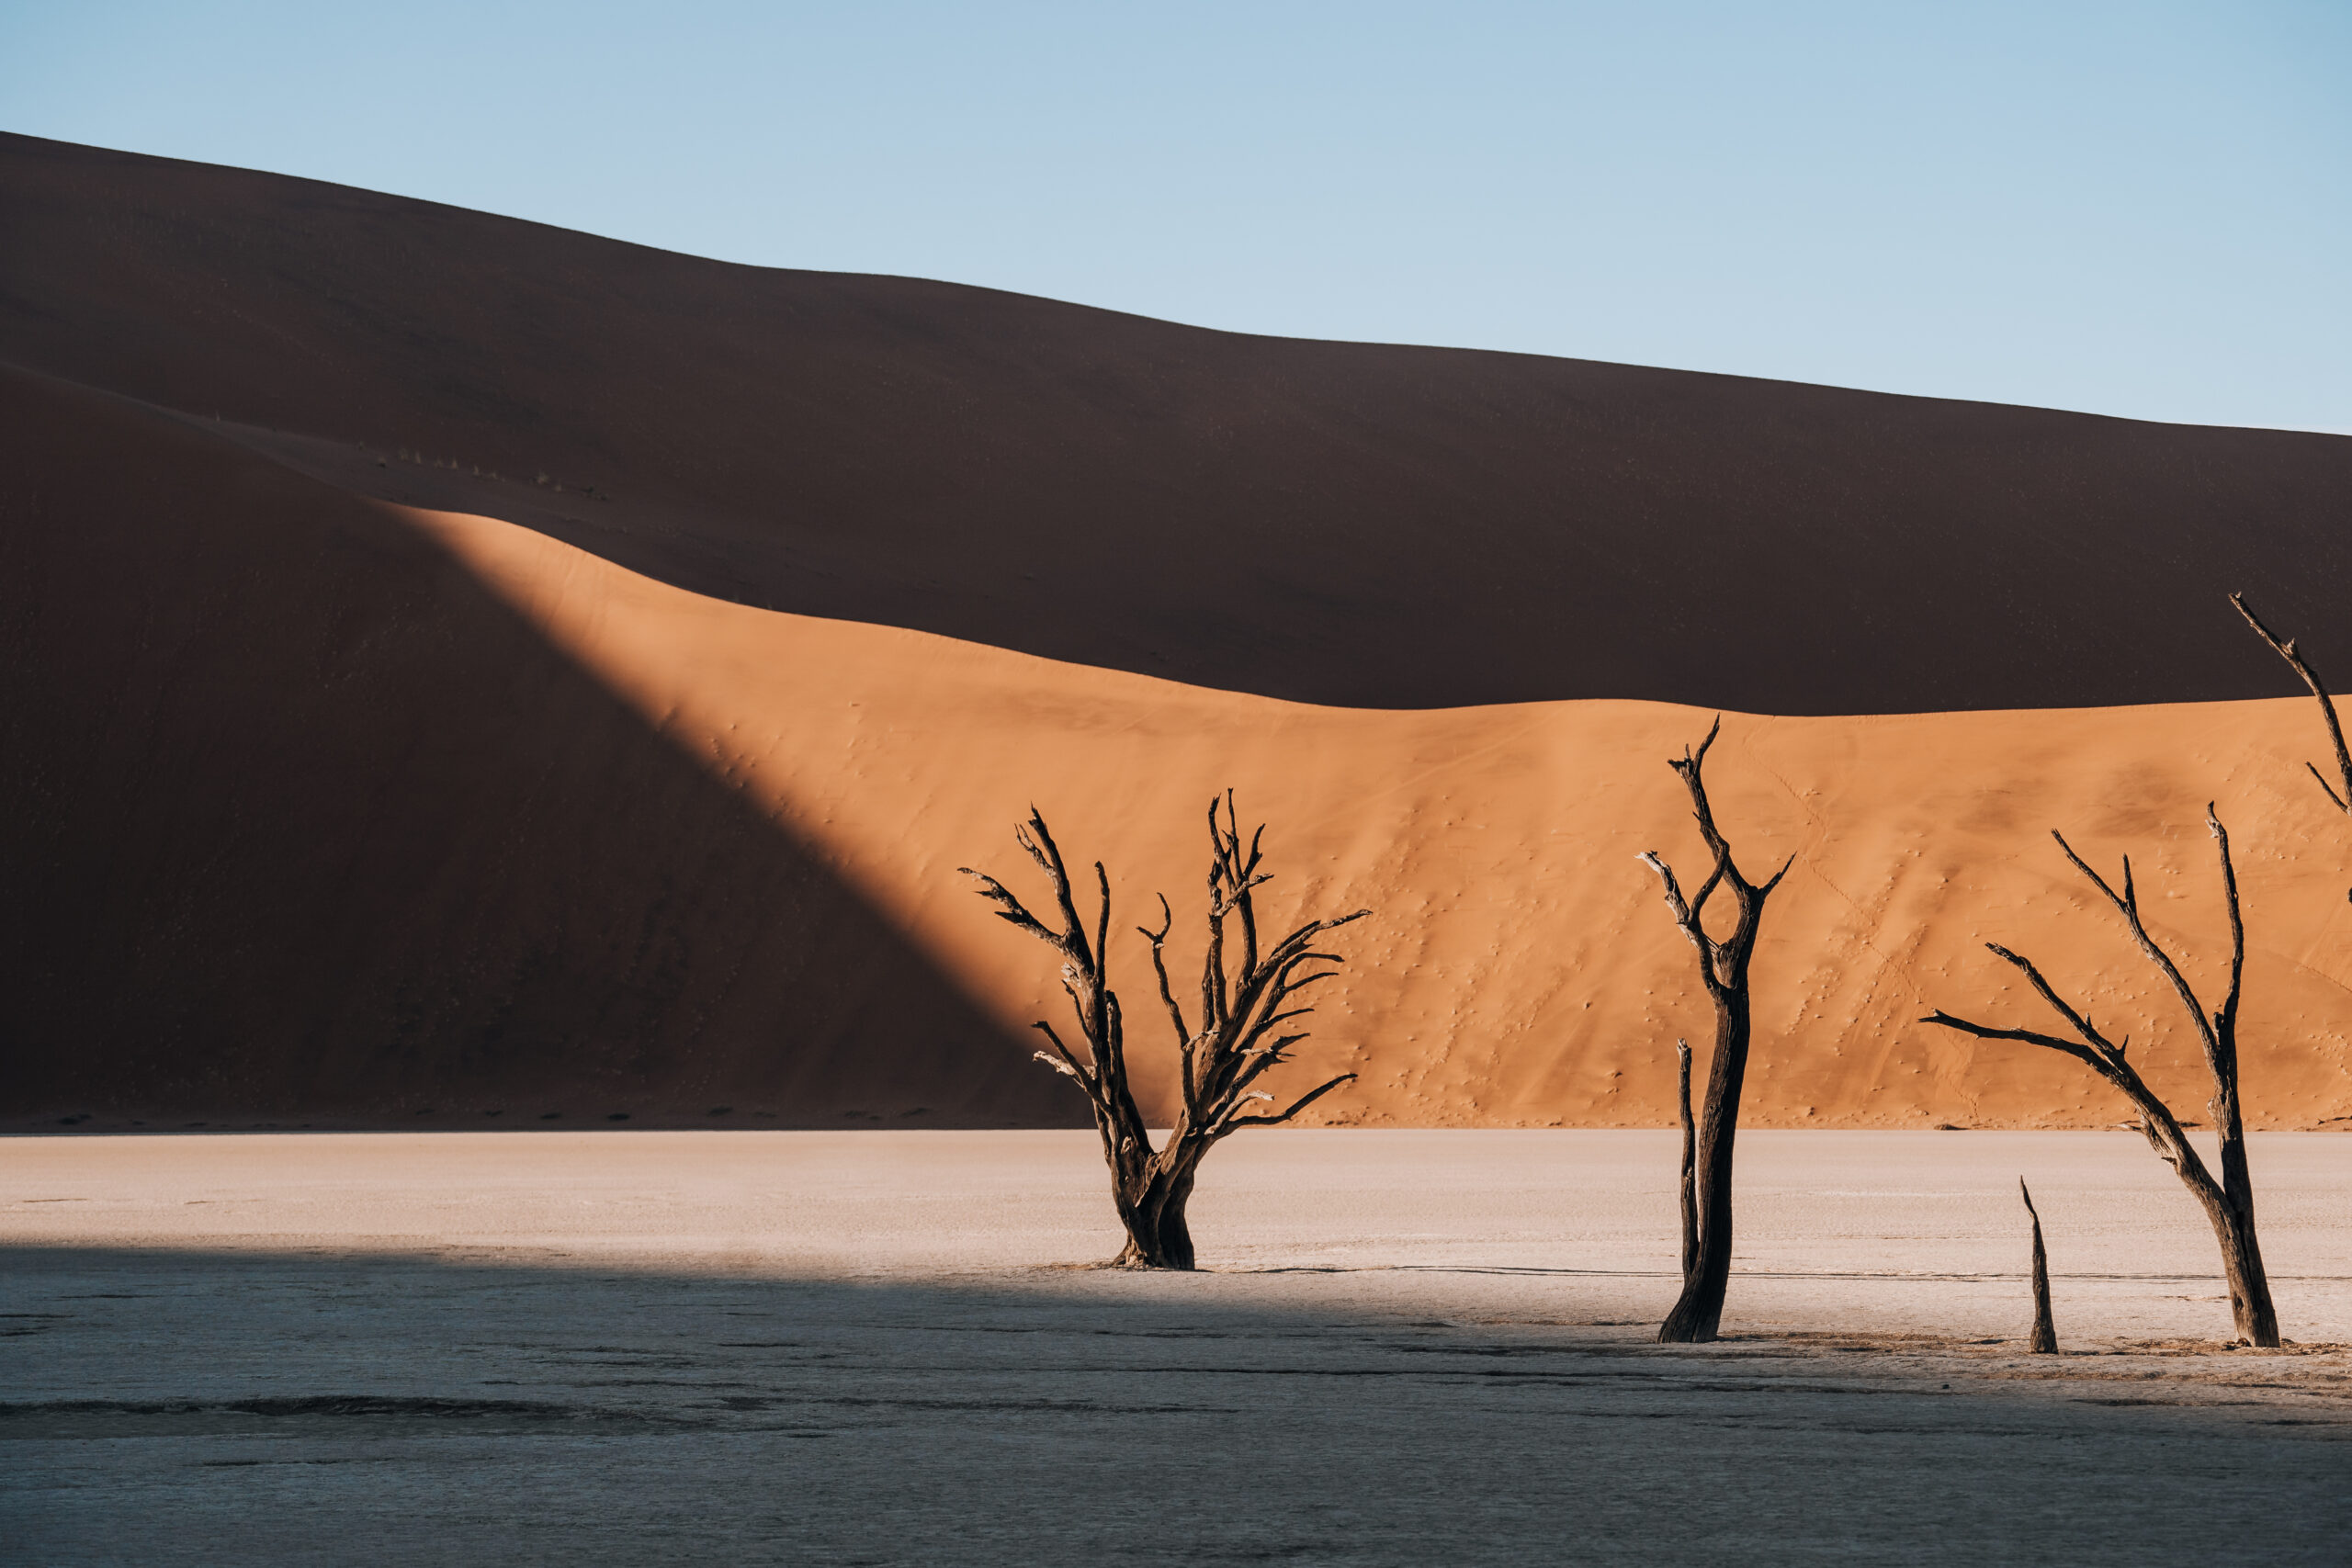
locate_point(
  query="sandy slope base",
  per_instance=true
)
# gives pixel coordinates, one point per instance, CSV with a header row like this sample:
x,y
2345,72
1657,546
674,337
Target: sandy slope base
x,y
1412,1347
1522,970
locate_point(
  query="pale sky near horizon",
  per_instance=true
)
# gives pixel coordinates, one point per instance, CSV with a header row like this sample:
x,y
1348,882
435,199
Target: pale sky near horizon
x,y
2139,208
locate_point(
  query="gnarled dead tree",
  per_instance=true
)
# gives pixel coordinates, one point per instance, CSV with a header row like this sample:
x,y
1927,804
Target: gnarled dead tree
x,y
2229,1203
2285,647
1723,966
1248,994
2044,1341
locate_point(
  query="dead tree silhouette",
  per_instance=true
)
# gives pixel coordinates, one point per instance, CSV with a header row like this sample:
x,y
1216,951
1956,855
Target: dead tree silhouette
x,y
2286,649
2229,1203
2044,1341
1247,995
1722,967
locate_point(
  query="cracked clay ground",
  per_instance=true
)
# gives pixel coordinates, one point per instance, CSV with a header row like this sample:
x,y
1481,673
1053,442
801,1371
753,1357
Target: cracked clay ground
x,y
1408,1348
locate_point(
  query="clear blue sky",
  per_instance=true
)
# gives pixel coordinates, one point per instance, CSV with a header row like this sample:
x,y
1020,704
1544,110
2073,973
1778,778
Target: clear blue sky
x,y
2137,208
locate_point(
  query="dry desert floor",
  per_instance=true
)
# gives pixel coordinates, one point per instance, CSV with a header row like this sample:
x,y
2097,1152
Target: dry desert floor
x,y
1405,1347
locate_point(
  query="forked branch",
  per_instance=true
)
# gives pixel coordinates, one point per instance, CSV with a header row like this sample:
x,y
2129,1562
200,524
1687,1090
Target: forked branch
x,y
1690,912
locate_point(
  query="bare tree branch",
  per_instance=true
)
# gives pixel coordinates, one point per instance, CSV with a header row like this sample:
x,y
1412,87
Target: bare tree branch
x,y
1009,907
2029,1036
1159,940
1310,1097
2286,649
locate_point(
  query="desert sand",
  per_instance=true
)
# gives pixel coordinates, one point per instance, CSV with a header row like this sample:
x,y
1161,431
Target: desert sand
x,y
1406,1347
343,810
1521,968
1378,526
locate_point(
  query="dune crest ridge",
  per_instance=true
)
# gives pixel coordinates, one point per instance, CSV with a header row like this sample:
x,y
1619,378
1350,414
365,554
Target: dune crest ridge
x,y
1251,513
1521,969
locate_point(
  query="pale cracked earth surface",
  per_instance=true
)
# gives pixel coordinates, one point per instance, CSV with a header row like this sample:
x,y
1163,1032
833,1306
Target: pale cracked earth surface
x,y
1408,1348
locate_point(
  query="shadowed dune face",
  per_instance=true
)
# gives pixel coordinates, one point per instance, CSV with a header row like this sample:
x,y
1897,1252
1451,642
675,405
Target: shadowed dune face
x,y
317,807
299,820
1347,524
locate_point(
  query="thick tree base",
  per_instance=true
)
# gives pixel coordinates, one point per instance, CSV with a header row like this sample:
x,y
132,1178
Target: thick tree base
x,y
1131,1259
1698,1314
1169,1247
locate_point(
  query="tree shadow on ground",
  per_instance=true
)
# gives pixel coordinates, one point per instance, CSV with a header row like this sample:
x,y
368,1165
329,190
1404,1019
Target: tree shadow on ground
x,y
188,1406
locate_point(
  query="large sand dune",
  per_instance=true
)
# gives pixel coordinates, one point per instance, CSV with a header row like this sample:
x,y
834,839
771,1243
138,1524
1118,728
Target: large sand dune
x,y
321,808
1364,525
1521,969
329,796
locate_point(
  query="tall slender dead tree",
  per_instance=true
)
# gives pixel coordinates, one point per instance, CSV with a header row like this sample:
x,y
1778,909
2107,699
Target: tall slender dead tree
x,y
1690,1158
2229,1203
2044,1341
2286,649
1722,967
1247,996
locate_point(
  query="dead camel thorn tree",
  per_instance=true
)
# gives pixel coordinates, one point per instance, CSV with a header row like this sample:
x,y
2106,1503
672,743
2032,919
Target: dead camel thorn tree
x,y
2286,649
2044,1341
1248,994
1723,966
2229,1203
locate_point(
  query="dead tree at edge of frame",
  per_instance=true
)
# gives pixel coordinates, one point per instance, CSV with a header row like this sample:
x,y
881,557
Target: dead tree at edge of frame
x,y
2044,1340
2229,1203
2286,649
1722,967
1249,994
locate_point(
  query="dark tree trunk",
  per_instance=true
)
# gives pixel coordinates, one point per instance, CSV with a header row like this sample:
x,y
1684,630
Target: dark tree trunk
x,y
1698,1313
1158,1234
1690,1160
1722,968
2045,1329
2251,1312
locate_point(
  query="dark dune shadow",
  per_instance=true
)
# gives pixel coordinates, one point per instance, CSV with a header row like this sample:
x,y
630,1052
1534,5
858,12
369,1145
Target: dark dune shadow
x,y
300,821
1364,524
284,1408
